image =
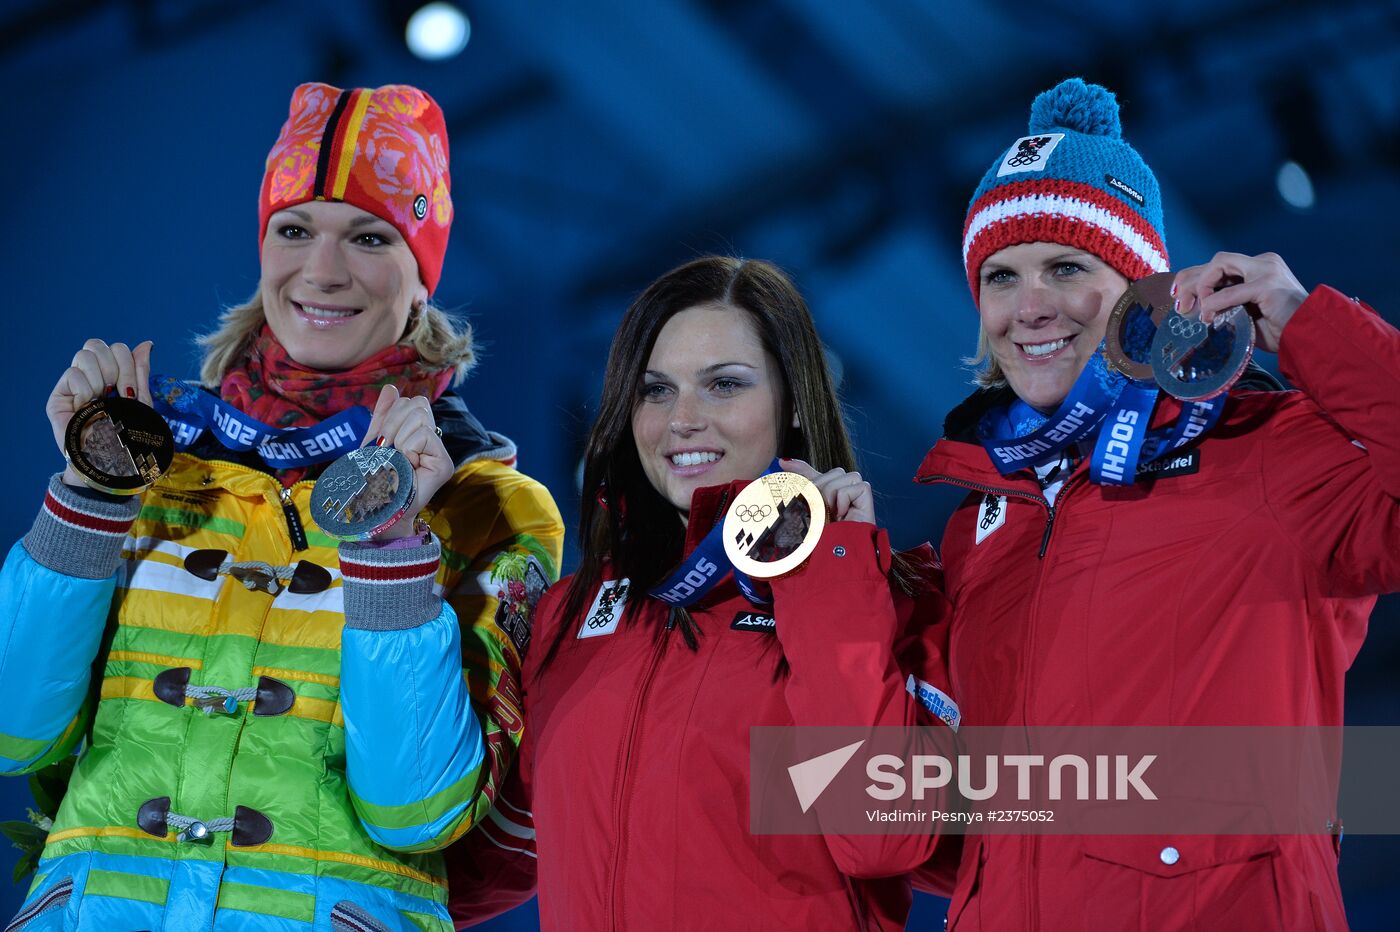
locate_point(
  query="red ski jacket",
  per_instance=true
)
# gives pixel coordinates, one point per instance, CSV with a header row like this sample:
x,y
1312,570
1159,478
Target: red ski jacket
x,y
635,768
1232,587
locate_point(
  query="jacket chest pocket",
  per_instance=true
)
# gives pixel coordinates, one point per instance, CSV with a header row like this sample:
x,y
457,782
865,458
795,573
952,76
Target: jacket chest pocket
x,y
1208,882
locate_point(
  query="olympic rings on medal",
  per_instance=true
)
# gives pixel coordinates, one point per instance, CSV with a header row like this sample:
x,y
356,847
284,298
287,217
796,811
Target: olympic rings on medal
x,y
753,512
1186,329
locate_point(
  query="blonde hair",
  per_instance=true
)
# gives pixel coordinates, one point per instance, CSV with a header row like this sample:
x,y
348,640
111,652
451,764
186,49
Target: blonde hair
x,y
986,371
440,340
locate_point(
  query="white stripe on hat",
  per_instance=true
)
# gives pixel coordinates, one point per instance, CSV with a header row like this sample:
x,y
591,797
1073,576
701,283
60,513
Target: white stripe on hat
x,y
1061,205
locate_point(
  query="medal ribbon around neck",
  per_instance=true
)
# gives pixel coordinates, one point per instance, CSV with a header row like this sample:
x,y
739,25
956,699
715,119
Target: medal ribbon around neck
x,y
190,411
1105,401
706,567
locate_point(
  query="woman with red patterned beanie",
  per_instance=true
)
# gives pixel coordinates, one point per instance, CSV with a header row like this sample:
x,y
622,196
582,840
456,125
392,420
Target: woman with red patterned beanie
x,y
275,729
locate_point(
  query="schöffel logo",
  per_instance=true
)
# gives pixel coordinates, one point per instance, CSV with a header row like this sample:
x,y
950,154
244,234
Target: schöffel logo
x,y
1126,189
754,621
1185,464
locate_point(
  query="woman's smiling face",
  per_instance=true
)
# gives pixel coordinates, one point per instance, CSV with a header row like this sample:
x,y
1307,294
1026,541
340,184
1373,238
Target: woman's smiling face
x,y
711,403
1044,309
338,283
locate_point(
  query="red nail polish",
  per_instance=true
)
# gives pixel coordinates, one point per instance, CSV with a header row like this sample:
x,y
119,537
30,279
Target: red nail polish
x,y
108,389
130,392
379,442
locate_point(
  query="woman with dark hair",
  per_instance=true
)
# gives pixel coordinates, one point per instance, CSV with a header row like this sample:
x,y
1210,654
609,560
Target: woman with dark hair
x,y
278,730
636,771
1126,558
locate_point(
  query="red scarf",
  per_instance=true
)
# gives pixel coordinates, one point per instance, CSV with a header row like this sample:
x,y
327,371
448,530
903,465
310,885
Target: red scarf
x,y
279,391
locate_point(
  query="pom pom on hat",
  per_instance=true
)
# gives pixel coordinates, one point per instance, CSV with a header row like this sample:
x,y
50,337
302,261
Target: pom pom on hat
x,y
1085,108
1073,181
383,150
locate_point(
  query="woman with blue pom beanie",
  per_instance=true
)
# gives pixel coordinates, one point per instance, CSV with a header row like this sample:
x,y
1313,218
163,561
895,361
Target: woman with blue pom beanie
x,y
1227,580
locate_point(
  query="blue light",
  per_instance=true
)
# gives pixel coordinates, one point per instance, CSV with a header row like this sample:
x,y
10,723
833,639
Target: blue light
x,y
1294,186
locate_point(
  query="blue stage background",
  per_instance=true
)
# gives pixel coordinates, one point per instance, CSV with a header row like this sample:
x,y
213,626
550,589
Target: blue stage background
x,y
594,145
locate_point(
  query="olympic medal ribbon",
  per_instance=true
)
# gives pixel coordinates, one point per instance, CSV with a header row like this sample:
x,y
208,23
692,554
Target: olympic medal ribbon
x,y
1039,438
190,411
1122,436
1196,419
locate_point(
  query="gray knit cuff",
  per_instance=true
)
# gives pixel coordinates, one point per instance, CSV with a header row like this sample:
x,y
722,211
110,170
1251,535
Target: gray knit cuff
x,y
79,532
389,588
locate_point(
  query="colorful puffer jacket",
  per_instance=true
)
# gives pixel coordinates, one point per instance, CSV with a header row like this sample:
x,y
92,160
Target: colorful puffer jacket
x,y
370,724
633,790
1231,585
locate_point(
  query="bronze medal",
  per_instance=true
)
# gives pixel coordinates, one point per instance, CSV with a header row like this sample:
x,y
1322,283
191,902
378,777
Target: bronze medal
x,y
773,525
118,445
1150,297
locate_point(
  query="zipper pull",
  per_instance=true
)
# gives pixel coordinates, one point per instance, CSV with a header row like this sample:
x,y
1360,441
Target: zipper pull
x,y
1049,526
294,526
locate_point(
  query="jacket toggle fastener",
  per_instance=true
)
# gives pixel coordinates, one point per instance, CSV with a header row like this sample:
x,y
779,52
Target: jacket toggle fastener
x,y
270,697
247,826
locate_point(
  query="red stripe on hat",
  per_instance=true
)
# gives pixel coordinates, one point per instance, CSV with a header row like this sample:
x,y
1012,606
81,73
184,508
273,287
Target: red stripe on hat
x,y
1070,231
1076,189
84,519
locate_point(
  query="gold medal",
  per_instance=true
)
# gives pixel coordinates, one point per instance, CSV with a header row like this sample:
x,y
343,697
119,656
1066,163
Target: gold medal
x,y
118,445
773,525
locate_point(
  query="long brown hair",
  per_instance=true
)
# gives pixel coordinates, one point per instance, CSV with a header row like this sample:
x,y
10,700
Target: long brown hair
x,y
624,520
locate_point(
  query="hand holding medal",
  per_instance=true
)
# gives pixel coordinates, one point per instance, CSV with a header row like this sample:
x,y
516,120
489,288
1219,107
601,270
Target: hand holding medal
x,y
1263,284
775,523
102,420
377,491
1148,339
848,497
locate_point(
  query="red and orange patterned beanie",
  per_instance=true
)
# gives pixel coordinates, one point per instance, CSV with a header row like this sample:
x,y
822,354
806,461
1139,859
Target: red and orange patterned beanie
x,y
383,150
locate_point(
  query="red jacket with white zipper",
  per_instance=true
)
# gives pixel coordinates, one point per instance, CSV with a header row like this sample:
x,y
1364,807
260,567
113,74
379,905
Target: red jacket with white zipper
x,y
1233,592
635,769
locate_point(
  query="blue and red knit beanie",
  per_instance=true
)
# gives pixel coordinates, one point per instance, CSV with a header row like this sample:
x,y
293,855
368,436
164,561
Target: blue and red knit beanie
x,y
1072,180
